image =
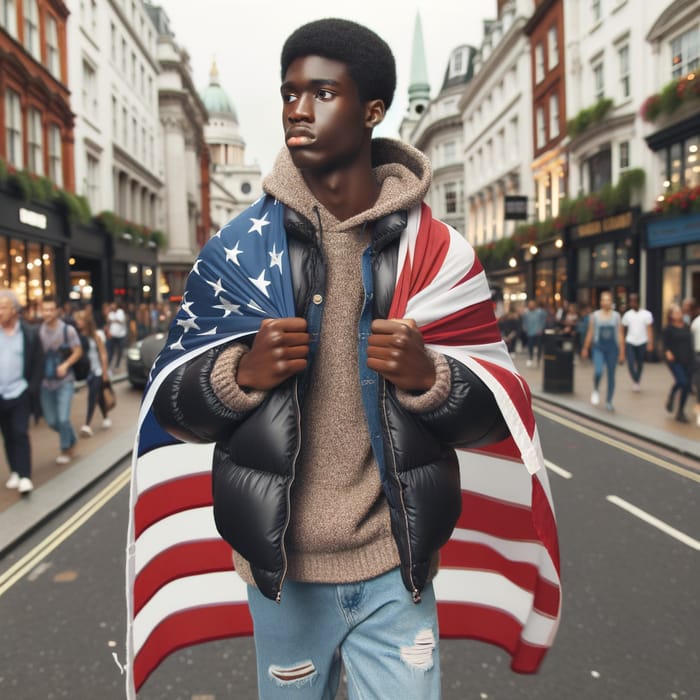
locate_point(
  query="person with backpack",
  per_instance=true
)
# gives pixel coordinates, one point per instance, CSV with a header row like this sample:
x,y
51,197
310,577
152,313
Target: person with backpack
x,y
97,374
62,349
605,340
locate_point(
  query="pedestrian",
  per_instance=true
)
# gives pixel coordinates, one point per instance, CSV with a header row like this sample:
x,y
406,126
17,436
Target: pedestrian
x,y
605,341
695,330
639,338
98,375
117,328
336,427
679,356
62,349
21,361
509,325
534,321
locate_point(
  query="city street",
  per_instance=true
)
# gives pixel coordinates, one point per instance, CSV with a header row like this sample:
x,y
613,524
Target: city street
x,y
629,531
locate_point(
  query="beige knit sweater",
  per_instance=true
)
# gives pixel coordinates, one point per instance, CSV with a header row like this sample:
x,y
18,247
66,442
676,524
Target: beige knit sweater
x,y
339,530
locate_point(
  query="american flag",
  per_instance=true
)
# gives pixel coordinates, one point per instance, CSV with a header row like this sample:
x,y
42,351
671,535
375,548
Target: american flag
x,y
499,574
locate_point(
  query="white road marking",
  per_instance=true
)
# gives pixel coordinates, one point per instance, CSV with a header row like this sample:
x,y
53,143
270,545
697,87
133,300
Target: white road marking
x,y
557,470
659,524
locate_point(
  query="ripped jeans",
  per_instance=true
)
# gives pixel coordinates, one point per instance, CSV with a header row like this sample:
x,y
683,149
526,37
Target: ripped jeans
x,y
387,643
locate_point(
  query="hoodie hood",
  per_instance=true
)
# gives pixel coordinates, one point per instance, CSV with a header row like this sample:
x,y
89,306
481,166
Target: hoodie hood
x,y
403,173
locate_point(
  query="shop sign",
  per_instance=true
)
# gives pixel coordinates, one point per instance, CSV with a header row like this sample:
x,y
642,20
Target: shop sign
x,y
32,218
611,223
515,207
666,232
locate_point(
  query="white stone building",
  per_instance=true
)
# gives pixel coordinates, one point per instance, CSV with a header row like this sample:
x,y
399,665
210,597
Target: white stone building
x,y
435,127
234,184
112,71
496,110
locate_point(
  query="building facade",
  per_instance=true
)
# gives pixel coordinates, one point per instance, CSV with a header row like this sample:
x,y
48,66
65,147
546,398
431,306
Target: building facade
x,y
235,184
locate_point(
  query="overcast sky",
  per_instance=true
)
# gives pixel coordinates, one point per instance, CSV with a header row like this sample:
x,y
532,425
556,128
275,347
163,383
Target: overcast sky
x,y
245,38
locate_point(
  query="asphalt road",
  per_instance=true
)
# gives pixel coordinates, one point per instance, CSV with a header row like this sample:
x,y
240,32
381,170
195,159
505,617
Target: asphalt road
x,y
629,631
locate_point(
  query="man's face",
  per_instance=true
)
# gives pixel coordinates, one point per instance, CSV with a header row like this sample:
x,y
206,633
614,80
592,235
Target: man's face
x,y
8,315
323,117
49,311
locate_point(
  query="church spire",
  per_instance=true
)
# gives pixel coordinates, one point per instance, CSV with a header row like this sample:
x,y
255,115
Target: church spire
x,y
214,73
419,87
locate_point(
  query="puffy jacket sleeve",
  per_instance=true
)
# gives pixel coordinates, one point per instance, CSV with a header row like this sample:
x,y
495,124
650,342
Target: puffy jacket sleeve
x,y
467,414
188,406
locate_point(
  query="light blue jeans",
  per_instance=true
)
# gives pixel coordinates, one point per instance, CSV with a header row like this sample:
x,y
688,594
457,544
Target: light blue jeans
x,y
387,643
56,407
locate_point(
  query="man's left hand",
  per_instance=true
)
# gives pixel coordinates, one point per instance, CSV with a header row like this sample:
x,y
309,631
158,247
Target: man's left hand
x,y
397,352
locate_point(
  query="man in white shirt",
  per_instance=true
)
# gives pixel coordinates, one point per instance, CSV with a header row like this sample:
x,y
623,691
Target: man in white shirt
x,y
639,338
117,329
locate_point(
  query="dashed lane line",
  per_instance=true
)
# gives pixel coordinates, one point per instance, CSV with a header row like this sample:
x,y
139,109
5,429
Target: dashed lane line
x,y
618,444
557,469
655,522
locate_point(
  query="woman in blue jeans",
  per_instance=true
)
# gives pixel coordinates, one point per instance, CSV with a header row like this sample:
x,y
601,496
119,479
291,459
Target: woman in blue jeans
x,y
605,341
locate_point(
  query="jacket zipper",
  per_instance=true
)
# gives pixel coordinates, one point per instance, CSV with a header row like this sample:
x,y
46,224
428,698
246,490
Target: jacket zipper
x,y
278,597
415,593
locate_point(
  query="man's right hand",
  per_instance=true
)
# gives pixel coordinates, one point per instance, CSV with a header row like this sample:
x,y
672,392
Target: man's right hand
x,y
279,351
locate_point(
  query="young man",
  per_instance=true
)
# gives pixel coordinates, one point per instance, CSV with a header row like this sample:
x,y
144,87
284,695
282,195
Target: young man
x,y
20,375
62,349
335,478
639,338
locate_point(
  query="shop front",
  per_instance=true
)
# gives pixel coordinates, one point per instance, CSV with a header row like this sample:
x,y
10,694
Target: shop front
x,y
673,261
604,256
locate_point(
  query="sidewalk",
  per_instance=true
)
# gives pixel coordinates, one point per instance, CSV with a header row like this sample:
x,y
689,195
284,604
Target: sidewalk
x,y
639,414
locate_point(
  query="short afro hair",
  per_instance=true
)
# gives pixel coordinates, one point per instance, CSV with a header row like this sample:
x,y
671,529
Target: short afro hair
x,y
368,57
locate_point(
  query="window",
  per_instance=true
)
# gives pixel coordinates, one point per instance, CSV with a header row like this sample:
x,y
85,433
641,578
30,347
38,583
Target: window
x,y
35,143
539,63
31,28
113,41
8,17
599,170
55,155
685,53
13,128
124,56
92,181
624,155
115,117
623,54
552,47
450,198
89,89
596,11
449,152
125,128
598,81
135,137
692,162
52,58
553,115
541,128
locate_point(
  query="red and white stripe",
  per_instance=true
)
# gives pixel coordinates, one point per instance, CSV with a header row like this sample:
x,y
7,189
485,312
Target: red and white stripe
x,y
499,575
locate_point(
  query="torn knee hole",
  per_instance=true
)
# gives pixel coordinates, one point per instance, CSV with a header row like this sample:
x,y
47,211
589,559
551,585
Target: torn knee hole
x,y
293,674
420,655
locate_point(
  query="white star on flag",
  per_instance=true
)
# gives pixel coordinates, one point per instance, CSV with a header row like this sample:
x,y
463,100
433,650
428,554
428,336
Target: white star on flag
x,y
211,331
178,344
218,287
233,253
186,308
261,283
188,323
195,267
275,257
258,224
228,307
255,307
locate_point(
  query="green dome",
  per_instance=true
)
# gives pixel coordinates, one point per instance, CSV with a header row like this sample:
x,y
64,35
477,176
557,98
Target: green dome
x,y
215,98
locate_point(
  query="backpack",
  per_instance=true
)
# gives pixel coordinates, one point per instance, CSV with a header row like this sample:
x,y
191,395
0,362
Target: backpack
x,y
81,368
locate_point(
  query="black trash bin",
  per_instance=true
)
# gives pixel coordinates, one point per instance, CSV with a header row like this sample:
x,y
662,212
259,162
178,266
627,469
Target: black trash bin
x,y
558,355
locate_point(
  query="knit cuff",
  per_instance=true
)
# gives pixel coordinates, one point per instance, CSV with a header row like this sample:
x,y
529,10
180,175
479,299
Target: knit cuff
x,y
225,386
436,395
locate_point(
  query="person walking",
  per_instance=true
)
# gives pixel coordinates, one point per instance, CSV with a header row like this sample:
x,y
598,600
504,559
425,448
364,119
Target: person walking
x,y
97,354
21,361
639,338
534,321
335,479
117,329
605,341
679,356
62,349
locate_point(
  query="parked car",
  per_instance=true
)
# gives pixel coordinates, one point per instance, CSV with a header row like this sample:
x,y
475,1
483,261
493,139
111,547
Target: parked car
x,y
141,356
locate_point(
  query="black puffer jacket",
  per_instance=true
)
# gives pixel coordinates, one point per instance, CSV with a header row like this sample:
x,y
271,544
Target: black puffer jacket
x,y
256,452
